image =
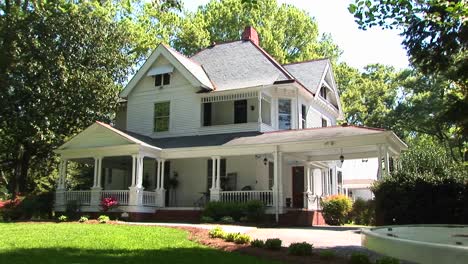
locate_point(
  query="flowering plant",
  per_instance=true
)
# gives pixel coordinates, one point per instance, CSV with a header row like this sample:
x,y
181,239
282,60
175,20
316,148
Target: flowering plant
x,y
107,203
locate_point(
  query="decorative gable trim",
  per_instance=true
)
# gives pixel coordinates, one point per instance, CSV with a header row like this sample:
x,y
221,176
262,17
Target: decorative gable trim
x,y
332,86
188,71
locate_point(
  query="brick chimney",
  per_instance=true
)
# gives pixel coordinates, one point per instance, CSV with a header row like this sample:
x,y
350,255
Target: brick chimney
x,y
250,34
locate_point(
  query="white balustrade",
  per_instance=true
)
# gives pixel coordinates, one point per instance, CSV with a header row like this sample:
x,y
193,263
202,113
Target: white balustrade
x,y
120,195
149,198
81,197
244,196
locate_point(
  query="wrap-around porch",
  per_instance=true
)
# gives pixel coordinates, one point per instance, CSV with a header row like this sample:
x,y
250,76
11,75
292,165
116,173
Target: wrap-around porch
x,y
284,170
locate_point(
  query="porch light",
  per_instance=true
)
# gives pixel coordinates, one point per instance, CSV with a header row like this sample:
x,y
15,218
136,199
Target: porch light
x,y
341,158
265,161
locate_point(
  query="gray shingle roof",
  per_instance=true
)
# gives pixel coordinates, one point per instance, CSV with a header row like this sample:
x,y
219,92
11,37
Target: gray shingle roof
x,y
253,138
309,73
239,64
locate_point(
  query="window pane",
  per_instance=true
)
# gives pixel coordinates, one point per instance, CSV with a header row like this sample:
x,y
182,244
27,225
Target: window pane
x,y
166,79
161,109
158,80
284,114
161,124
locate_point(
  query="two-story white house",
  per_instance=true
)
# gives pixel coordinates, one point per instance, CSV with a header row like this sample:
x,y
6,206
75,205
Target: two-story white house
x,y
230,124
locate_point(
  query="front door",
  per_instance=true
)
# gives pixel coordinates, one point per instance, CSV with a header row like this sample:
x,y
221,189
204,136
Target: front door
x,y
298,186
240,111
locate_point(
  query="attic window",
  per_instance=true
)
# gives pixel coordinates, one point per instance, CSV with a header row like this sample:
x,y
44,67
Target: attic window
x,y
162,79
323,92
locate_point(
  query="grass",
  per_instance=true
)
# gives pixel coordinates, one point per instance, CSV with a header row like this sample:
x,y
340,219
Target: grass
x,y
84,243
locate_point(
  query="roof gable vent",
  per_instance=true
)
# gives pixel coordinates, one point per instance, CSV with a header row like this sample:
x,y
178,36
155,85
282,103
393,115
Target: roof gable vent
x,y
250,34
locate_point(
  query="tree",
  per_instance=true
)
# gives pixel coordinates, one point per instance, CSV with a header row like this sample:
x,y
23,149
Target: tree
x,y
368,97
62,65
286,32
436,38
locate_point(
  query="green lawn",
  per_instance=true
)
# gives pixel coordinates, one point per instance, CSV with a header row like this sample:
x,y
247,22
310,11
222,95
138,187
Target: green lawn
x,y
107,244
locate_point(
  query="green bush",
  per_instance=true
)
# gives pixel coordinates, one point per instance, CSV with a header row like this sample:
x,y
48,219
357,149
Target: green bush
x,y
244,219
387,260
227,220
327,254
359,258
72,208
255,210
62,218
252,210
231,237
427,181
242,239
206,219
83,219
300,249
335,209
257,243
273,243
103,219
217,232
362,212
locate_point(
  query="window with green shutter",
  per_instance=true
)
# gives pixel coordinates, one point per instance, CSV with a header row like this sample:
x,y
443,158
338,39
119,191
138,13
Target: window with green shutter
x,y
161,116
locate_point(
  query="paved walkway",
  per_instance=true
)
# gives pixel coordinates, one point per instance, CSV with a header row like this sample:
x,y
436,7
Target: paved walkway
x,y
344,241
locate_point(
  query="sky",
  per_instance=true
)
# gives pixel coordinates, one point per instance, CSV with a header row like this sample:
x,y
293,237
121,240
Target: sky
x,y
359,47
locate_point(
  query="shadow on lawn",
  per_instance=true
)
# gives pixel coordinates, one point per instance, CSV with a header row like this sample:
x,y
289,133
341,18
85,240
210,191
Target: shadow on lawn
x,y
140,256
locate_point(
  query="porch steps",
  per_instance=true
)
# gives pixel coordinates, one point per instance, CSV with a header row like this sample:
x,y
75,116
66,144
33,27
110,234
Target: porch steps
x,y
301,218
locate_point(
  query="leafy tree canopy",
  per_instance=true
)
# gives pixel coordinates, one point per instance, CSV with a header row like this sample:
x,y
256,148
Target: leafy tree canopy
x,y
286,32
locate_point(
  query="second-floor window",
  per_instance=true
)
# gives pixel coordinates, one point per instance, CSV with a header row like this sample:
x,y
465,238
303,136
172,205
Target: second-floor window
x,y
323,92
161,116
162,79
284,114
304,116
324,122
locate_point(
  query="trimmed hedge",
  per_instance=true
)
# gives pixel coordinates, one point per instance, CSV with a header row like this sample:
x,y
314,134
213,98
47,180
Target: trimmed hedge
x,y
251,210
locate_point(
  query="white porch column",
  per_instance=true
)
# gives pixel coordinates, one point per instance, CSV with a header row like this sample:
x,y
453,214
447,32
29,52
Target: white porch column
x,y
160,191
275,184
308,197
386,160
379,162
135,195
96,189
280,182
61,184
216,179
260,108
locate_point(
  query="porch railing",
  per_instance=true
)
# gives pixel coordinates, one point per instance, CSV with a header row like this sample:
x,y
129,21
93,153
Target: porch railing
x,y
244,196
149,198
81,197
120,195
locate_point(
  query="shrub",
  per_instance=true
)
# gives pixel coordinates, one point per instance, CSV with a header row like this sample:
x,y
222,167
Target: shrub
x,y
244,219
217,232
359,258
217,210
10,209
108,203
63,218
242,239
72,208
227,220
362,212
427,181
231,237
255,210
327,254
83,219
206,219
273,243
335,209
103,219
387,260
257,243
300,249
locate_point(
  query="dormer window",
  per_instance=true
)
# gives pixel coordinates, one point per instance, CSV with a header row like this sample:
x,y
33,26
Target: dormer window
x,y
323,92
161,75
162,79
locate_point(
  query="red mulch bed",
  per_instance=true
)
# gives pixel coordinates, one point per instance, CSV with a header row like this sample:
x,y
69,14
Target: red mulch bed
x,y
201,236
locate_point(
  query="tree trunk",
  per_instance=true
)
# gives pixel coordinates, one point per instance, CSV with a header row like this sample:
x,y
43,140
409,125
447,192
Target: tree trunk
x,y
20,174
